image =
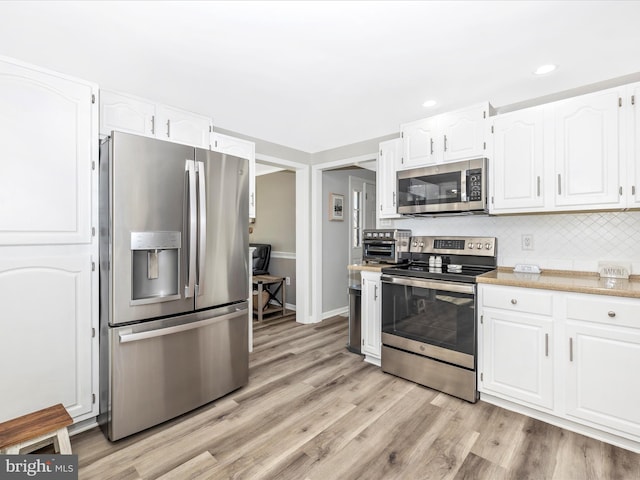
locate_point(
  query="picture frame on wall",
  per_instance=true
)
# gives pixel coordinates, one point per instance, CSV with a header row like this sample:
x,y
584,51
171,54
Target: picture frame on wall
x,y
336,207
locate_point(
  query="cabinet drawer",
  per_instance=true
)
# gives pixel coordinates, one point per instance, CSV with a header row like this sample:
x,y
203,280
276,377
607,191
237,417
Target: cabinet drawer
x,y
603,309
518,300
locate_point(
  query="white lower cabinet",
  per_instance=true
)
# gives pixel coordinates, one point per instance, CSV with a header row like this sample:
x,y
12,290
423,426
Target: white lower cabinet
x,y
603,351
371,326
573,361
517,361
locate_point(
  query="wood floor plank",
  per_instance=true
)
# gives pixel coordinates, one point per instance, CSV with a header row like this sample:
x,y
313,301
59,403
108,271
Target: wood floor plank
x,y
312,410
197,467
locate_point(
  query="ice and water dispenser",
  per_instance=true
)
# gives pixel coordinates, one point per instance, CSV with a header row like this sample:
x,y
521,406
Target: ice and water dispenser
x,y
155,265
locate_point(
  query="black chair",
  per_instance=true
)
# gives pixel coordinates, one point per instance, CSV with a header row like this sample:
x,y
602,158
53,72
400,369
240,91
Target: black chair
x,y
261,258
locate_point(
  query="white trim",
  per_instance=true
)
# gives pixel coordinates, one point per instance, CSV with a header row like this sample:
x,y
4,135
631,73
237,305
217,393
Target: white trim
x,y
316,229
285,255
303,237
338,311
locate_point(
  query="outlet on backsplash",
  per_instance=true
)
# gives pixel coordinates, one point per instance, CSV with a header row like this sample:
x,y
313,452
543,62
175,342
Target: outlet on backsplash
x,y
527,241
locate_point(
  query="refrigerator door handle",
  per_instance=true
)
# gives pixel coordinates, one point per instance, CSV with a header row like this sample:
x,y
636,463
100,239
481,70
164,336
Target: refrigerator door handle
x,y
202,227
126,337
189,289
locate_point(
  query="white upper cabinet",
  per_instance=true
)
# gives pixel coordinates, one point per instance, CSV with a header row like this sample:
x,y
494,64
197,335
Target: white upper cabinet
x,y
632,184
418,143
131,114
463,132
581,153
388,162
48,141
451,136
243,149
518,161
181,126
587,150
126,113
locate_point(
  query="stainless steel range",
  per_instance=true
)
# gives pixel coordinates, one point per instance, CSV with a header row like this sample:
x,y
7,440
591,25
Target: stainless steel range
x,y
429,313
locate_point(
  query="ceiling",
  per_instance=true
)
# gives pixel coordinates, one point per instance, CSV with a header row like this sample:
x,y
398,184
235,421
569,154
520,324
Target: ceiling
x,y
318,75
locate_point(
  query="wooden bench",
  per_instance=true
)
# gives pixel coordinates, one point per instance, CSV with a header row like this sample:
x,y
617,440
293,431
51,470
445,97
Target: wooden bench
x,y
43,426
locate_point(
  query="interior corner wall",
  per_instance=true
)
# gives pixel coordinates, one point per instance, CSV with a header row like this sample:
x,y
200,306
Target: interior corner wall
x,y
275,224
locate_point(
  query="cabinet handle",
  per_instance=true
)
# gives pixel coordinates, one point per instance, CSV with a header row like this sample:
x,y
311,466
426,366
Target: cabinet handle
x,y
375,292
153,124
570,349
380,207
445,143
559,184
633,189
431,145
513,301
169,128
394,199
546,344
620,190
611,313
538,185
252,196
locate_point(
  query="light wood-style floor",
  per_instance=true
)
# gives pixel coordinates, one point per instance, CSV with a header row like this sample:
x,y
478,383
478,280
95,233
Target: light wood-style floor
x,y
313,410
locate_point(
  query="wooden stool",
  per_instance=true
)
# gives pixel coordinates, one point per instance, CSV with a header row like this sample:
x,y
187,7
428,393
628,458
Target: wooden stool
x,y
37,427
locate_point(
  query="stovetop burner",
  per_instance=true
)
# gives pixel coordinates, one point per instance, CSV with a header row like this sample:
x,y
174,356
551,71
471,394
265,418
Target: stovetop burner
x,y
456,259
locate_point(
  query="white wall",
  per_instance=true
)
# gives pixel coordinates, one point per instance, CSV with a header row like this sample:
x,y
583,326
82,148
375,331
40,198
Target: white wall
x,y
573,241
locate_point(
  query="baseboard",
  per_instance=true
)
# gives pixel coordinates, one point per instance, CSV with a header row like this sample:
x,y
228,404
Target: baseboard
x,y
338,311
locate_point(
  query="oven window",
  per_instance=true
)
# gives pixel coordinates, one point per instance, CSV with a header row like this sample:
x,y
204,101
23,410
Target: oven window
x,y
437,317
430,189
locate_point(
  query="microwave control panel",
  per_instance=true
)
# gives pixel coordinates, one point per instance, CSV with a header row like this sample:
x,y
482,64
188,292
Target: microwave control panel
x,y
474,184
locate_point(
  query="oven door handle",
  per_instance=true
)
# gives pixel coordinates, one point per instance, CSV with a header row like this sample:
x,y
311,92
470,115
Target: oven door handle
x,y
433,284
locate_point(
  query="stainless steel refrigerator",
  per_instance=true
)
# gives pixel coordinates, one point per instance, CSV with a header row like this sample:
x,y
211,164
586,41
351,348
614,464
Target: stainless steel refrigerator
x,y
173,280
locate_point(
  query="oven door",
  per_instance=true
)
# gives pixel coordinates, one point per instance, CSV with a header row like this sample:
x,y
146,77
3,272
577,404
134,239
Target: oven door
x,y
380,250
431,318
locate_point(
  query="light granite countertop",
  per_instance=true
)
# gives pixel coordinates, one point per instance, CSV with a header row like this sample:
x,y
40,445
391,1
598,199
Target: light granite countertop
x,y
367,267
579,282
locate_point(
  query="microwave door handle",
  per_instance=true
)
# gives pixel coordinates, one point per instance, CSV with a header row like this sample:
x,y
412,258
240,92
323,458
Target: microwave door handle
x,y
202,227
463,186
190,168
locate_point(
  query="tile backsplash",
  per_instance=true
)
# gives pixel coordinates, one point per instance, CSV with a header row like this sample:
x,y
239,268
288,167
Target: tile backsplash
x,y
572,241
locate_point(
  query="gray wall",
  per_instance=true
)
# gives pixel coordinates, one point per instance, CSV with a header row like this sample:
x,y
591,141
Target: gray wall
x,y
335,239
276,223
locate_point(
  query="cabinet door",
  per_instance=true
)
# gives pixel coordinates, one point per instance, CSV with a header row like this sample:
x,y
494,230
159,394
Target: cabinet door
x,y
462,133
243,149
516,357
48,139
587,150
633,132
184,127
388,160
603,386
371,324
126,113
46,340
518,161
418,143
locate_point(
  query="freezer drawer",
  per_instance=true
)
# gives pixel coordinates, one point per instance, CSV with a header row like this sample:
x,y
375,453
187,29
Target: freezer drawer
x,y
162,369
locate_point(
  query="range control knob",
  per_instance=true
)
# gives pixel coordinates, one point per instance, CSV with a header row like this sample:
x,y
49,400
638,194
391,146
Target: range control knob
x,y
479,245
487,246
470,246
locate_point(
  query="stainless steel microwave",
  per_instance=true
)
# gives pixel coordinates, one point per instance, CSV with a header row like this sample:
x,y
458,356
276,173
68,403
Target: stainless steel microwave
x,y
455,187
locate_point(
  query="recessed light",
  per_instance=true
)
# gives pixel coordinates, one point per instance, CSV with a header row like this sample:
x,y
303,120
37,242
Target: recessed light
x,y
429,103
544,69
